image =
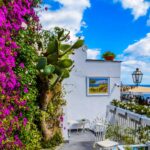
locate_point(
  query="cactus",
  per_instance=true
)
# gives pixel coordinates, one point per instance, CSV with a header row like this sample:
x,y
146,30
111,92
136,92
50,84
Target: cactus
x,y
54,66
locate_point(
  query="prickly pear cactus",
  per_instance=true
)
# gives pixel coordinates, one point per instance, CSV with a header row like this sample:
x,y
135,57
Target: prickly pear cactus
x,y
54,65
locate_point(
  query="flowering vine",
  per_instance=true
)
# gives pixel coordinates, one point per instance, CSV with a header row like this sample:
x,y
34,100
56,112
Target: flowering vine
x,y
14,16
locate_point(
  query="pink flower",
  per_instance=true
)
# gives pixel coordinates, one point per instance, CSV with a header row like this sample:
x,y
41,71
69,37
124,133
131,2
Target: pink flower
x,y
21,65
6,112
61,118
25,90
20,114
25,120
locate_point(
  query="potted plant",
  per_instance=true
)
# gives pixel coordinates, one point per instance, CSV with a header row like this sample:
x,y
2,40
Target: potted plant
x,y
109,56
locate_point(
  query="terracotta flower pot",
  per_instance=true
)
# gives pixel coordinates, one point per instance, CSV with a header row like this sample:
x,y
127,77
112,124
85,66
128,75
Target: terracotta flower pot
x,y
109,58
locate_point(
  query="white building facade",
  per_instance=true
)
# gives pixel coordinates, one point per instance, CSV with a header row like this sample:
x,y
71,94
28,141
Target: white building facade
x,y
80,105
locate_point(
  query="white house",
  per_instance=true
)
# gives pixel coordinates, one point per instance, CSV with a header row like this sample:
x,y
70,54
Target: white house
x,y
80,104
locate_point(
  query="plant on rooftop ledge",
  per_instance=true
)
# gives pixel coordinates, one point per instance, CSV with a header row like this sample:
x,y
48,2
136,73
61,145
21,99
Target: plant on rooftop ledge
x,y
109,56
133,106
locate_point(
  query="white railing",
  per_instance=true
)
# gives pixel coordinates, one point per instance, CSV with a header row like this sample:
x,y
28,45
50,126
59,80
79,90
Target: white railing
x,y
125,117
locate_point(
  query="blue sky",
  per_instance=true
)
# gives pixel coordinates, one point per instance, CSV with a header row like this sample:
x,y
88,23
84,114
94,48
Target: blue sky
x,y
122,26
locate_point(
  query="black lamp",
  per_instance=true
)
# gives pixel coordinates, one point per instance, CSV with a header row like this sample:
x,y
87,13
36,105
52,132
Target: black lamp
x,y
137,76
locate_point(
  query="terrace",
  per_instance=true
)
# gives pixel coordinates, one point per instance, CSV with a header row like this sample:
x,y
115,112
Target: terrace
x,y
131,130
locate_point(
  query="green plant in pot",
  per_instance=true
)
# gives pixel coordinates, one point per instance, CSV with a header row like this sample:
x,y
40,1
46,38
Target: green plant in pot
x,y
109,56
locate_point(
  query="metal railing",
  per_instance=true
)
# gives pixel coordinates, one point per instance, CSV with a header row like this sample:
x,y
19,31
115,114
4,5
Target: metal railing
x,y
127,119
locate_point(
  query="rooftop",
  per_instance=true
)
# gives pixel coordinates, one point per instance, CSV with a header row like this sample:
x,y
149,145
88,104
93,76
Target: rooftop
x,y
98,60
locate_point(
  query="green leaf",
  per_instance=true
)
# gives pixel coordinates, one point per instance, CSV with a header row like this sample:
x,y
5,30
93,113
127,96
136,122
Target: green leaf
x,y
79,43
1,3
58,70
64,47
60,33
65,36
42,62
65,73
52,46
49,70
40,45
52,58
66,63
53,78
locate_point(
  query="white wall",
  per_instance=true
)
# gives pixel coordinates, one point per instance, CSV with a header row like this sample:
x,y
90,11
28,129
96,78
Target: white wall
x,y
79,105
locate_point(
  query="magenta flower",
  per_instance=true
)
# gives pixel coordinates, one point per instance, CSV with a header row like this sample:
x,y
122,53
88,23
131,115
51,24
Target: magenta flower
x,y
18,141
20,115
25,90
25,120
22,65
61,118
6,112
12,15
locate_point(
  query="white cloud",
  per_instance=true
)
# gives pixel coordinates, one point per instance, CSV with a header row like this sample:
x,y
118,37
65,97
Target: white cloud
x,y
136,56
140,48
138,7
69,16
93,54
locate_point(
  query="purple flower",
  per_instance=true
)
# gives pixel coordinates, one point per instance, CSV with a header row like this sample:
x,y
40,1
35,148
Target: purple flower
x,y
1,139
25,120
22,65
10,85
61,118
2,42
23,103
16,118
12,15
6,112
18,141
20,114
25,90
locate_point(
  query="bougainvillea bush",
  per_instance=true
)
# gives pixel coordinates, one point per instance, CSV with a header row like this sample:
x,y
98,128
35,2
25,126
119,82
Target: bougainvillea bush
x,y
33,64
18,21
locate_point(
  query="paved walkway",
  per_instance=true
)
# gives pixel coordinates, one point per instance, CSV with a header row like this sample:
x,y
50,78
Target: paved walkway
x,y
81,141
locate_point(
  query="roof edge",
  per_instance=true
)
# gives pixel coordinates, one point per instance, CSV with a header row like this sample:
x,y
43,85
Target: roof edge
x,y
98,60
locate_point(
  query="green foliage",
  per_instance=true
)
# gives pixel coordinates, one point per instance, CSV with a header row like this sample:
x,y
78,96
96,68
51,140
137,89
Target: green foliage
x,y
55,141
108,53
133,106
118,133
52,59
128,148
1,3
42,62
113,132
65,73
54,65
30,134
56,52
49,70
53,46
77,44
65,63
141,133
